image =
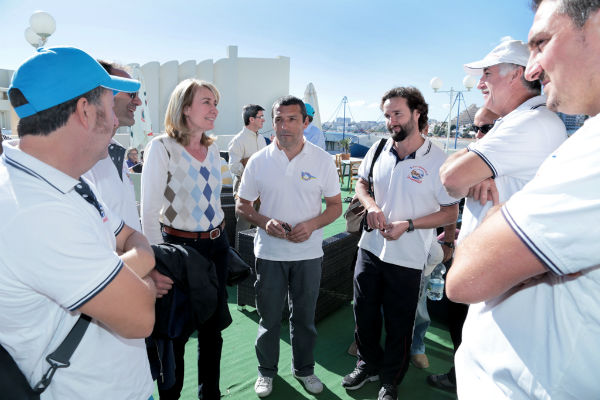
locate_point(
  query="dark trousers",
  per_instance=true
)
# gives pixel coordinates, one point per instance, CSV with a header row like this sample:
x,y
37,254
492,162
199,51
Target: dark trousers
x,y
378,285
210,341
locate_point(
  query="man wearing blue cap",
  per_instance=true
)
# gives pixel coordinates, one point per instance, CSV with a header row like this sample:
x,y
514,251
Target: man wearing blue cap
x,y
312,133
64,243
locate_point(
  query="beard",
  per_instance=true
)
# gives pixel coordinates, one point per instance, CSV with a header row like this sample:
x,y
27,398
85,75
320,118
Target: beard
x,y
404,131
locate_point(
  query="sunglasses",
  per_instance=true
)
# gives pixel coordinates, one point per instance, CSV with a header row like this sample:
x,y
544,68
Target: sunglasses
x,y
133,95
483,128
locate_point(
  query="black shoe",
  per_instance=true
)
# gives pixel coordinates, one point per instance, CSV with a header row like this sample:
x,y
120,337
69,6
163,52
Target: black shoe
x,y
442,381
388,392
357,378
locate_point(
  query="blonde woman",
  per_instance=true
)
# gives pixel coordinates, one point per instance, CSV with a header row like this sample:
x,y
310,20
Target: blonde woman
x,y
181,192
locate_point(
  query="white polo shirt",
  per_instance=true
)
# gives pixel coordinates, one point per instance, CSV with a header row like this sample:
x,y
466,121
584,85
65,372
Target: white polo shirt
x,y
514,149
117,194
403,190
540,340
289,191
56,253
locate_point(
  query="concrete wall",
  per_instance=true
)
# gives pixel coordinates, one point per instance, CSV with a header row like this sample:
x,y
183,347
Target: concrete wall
x,y
240,81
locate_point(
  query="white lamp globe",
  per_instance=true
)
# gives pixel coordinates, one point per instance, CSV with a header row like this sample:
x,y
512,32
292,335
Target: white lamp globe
x,y
42,23
436,83
32,37
469,82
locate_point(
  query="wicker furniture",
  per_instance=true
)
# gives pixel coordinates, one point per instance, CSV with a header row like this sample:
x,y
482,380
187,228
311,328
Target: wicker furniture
x,y
336,278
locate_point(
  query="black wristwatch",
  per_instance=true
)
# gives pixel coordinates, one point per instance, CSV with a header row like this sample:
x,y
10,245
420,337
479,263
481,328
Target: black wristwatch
x,y
448,244
411,227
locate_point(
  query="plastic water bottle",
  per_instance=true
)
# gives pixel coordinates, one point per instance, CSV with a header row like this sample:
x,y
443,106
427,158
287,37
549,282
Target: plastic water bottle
x,y
435,287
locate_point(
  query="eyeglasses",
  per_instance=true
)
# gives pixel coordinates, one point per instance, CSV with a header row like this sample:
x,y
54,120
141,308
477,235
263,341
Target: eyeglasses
x,y
133,95
260,117
483,128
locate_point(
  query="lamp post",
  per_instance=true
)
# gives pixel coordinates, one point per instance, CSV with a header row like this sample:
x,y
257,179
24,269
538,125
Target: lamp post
x,y
436,83
42,25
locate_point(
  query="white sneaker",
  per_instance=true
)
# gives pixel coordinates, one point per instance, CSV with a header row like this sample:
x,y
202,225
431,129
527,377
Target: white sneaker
x,y
311,383
263,386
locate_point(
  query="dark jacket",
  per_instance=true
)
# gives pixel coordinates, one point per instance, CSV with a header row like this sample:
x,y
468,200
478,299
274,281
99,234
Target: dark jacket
x,y
191,301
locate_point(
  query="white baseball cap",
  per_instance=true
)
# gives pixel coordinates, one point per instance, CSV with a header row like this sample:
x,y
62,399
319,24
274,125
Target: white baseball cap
x,y
509,51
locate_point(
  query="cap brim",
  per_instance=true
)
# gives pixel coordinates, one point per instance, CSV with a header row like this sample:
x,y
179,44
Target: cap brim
x,y
476,67
119,84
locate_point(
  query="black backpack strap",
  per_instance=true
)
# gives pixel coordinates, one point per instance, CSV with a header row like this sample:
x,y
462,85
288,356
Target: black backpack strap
x,y
59,358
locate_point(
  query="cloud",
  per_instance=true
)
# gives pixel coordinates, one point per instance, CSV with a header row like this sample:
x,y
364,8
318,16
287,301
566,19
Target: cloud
x,y
506,38
373,105
446,106
357,103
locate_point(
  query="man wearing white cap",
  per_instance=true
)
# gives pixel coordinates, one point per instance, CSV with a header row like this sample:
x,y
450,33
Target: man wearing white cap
x,y
312,133
58,258
536,279
492,169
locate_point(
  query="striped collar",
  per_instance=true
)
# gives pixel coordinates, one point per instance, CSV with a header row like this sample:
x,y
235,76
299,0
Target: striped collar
x,y
20,160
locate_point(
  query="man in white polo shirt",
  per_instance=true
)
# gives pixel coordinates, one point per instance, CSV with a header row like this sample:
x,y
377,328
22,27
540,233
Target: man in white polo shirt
x,y
291,176
111,174
494,168
408,201
59,243
531,271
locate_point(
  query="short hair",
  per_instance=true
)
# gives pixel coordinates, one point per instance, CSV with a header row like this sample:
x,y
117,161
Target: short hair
x,y
182,97
46,121
578,10
110,66
532,86
289,101
250,111
414,100
129,150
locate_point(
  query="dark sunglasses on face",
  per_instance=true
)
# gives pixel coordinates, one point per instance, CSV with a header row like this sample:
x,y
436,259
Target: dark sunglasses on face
x,y
483,128
133,95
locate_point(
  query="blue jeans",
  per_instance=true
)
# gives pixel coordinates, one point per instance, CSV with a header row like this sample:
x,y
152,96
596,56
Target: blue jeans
x,y
300,280
422,320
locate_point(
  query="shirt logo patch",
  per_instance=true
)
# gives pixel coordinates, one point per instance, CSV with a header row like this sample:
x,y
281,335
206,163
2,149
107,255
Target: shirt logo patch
x,y
306,176
417,174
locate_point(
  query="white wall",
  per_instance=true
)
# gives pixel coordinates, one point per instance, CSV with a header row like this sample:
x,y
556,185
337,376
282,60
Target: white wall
x,y
240,80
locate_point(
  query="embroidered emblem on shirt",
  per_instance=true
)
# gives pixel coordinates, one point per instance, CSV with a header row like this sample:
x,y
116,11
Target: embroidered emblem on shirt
x,y
417,174
306,176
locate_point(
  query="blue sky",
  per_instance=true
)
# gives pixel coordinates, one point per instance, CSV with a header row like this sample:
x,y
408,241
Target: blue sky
x,y
357,49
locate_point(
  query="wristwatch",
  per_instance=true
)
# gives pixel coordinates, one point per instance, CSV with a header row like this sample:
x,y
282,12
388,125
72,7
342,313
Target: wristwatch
x,y
447,244
411,227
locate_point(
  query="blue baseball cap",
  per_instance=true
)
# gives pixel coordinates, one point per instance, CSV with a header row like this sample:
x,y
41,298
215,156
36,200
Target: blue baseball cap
x,y
58,74
309,110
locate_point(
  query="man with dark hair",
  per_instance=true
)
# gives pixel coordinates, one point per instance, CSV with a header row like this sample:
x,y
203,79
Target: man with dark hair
x,y
60,243
111,174
492,169
407,201
483,122
247,142
530,271
291,176
312,133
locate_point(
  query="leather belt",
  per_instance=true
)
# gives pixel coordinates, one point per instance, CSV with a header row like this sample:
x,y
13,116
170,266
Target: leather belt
x,y
212,234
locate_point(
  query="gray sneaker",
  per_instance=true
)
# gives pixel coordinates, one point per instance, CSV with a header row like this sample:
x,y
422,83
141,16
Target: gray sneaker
x,y
263,386
311,383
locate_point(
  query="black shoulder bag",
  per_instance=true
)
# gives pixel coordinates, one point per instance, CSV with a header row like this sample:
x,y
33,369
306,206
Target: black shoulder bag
x,y
14,385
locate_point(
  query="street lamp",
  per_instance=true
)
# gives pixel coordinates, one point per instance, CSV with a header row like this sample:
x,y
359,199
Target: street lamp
x,y
436,83
42,25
